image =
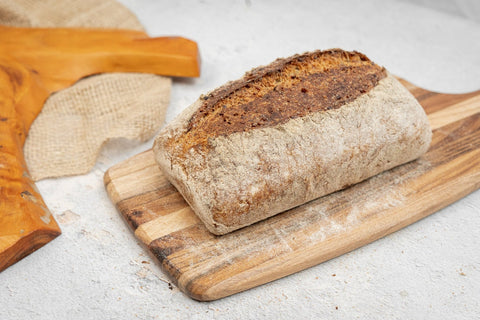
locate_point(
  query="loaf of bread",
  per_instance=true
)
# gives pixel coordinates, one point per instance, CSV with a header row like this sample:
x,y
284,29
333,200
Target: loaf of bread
x,y
288,133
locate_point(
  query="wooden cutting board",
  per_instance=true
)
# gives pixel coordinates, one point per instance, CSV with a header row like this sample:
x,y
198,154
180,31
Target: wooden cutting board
x,y
208,267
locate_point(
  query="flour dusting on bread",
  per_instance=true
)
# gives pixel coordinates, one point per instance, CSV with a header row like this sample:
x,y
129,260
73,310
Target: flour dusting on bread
x,y
288,133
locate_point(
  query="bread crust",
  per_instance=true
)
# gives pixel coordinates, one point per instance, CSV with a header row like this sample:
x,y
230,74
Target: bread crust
x,y
287,88
239,178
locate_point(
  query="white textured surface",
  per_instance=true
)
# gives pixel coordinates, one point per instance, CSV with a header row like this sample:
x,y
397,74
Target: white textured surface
x,y
429,270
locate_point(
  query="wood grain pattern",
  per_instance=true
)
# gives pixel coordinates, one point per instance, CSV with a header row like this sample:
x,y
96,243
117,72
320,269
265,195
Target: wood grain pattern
x,y
37,62
209,267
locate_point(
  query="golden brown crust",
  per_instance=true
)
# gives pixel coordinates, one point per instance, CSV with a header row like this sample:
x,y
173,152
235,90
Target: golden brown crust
x,y
286,89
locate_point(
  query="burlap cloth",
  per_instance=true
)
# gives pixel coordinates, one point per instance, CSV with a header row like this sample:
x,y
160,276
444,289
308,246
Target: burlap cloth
x,y
67,136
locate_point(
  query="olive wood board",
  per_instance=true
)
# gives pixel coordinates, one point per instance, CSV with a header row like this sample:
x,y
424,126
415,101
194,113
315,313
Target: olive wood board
x,y
208,267
37,62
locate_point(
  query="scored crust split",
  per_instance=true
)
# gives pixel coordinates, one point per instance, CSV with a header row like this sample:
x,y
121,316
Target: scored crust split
x,y
287,133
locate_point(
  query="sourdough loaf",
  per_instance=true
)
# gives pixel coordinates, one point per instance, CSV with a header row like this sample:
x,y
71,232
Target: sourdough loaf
x,y
287,133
